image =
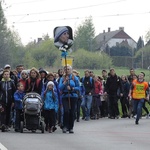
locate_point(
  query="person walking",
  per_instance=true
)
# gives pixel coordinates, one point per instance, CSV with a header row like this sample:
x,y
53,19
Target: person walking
x,y
113,84
86,104
139,92
18,97
69,85
50,107
124,99
7,90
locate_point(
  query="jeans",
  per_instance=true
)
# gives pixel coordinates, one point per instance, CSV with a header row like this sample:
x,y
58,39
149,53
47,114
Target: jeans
x,y
86,105
138,104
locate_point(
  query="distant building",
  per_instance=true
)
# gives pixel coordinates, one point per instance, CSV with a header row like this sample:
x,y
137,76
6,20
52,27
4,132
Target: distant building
x,y
114,38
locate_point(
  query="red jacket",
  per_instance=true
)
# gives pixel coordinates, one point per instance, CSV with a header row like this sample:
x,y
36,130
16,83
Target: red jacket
x,y
98,87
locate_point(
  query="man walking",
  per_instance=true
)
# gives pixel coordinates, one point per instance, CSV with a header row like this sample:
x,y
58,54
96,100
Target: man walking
x,y
139,92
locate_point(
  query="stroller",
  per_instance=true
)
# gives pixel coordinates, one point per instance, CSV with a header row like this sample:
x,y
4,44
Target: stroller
x,y
32,106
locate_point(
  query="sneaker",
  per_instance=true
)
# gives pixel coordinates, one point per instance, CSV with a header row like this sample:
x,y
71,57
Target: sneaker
x,y
134,116
71,131
147,116
87,119
117,117
64,130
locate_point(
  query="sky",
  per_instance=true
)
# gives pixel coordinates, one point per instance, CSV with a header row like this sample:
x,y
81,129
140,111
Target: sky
x,y
34,18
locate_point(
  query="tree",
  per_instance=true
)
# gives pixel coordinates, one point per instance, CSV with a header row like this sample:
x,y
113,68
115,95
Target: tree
x,y
84,35
10,43
140,43
5,53
147,36
120,51
143,57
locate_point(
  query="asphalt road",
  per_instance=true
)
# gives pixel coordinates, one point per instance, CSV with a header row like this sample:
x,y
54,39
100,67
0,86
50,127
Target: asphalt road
x,y
102,134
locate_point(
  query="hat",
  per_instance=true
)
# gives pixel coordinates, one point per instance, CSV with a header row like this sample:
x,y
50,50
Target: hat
x,y
59,31
42,71
50,83
7,66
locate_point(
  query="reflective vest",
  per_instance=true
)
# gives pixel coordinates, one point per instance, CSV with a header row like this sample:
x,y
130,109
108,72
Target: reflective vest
x,y
139,89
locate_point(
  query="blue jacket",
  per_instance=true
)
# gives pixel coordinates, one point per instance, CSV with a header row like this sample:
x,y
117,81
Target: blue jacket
x,y
73,83
82,90
18,97
49,102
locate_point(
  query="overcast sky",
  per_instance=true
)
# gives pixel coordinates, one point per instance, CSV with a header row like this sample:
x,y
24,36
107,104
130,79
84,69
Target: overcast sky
x,y
34,18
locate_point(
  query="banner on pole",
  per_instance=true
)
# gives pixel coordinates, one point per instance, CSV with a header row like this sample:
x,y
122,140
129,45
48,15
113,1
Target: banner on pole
x,y
69,61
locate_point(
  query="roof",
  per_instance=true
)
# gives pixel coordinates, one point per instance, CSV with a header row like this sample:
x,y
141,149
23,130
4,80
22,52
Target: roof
x,y
104,37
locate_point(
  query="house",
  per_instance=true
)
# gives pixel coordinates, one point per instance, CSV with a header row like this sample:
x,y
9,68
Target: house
x,y
113,38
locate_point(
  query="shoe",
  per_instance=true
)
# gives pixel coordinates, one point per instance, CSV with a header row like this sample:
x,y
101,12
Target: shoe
x,y
64,130
87,119
147,117
46,128
78,120
117,117
111,117
17,130
134,116
54,128
136,122
71,131
50,130
83,118
3,128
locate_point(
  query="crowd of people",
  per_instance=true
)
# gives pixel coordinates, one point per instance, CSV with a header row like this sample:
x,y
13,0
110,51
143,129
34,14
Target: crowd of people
x,y
67,97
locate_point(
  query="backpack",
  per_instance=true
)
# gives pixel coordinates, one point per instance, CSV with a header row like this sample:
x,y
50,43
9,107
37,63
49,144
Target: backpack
x,y
90,80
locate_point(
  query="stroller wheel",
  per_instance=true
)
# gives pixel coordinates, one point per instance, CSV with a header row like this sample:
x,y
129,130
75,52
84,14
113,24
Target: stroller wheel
x,y
21,126
42,127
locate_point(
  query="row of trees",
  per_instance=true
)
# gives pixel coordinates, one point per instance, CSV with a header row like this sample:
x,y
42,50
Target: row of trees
x,y
45,54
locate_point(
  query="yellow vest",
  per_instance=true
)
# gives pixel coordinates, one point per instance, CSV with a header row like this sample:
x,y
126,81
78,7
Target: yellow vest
x,y
139,89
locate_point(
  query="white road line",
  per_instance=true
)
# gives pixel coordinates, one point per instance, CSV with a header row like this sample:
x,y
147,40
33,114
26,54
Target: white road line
x,y
2,147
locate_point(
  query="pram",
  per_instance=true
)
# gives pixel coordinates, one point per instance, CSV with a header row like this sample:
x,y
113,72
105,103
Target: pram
x,y
32,106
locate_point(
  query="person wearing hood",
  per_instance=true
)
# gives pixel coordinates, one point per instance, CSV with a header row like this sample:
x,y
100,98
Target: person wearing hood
x,y
63,37
7,90
24,76
50,107
12,75
43,82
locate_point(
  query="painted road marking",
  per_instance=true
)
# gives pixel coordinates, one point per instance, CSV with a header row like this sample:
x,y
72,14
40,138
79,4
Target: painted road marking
x,y
2,147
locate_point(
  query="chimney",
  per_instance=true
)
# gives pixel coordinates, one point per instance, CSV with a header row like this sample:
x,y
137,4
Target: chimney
x,y
103,31
108,29
39,40
121,28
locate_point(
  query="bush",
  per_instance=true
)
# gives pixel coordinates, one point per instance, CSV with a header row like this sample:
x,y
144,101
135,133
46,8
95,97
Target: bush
x,y
91,60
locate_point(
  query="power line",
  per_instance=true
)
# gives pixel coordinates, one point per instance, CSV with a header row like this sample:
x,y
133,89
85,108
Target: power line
x,y
75,8
115,15
25,2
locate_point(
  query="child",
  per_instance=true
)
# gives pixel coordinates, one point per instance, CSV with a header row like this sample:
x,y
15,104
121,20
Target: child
x,y
50,107
18,96
7,89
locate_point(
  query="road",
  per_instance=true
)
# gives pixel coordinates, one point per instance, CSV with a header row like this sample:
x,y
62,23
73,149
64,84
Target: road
x,y
102,134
